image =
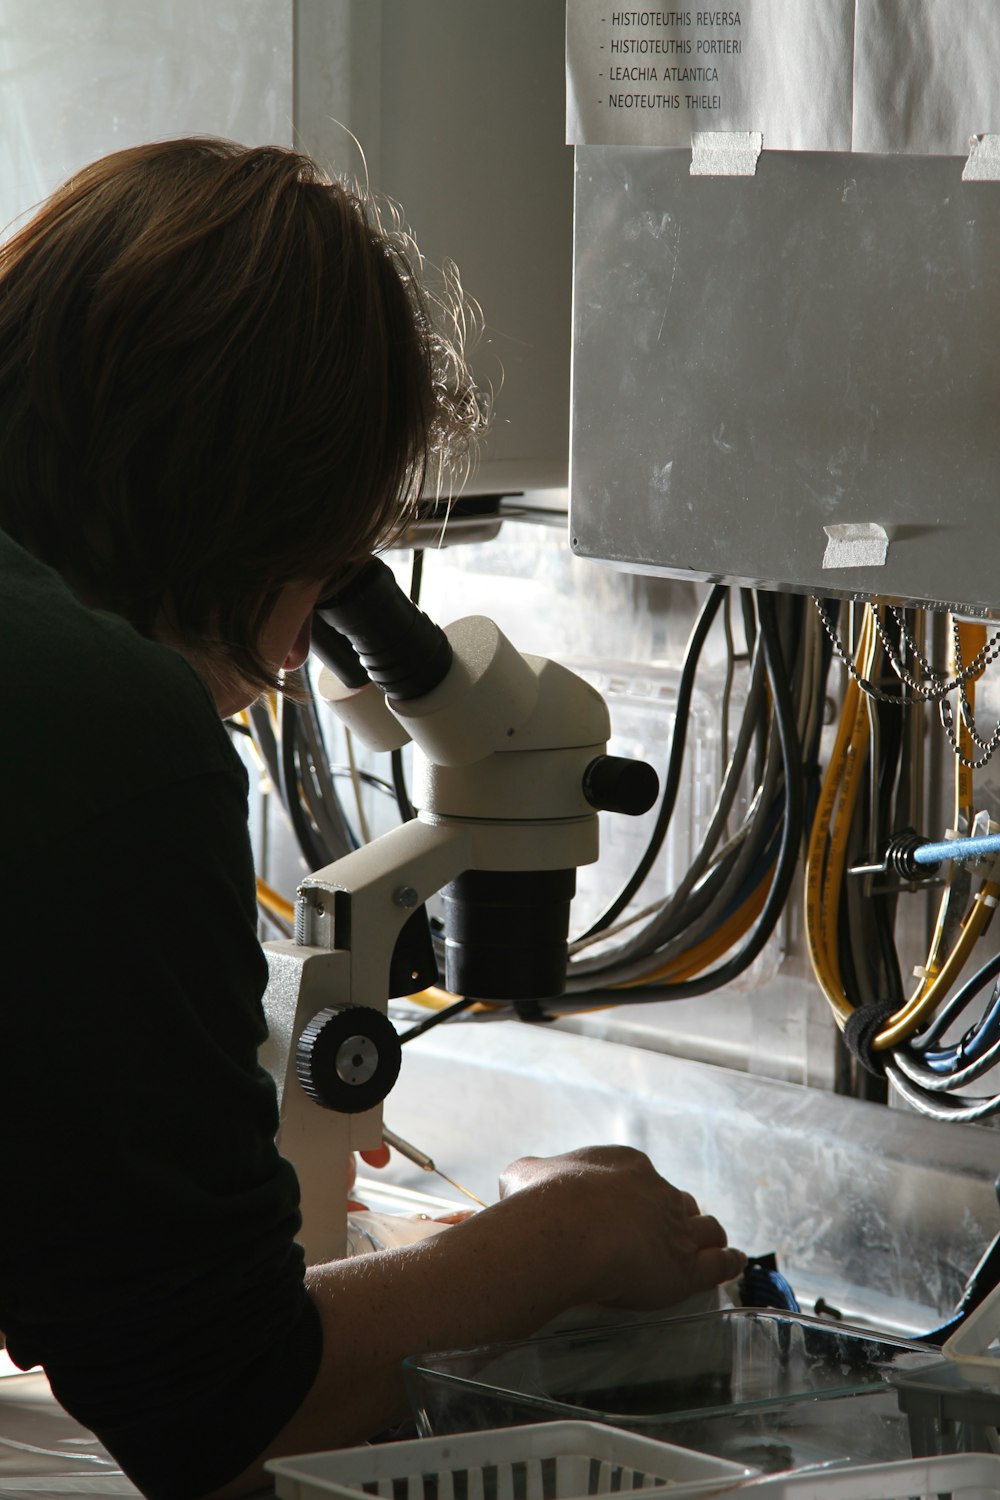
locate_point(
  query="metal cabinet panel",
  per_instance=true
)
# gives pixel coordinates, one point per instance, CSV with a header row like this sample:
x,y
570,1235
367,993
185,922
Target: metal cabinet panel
x,y
755,359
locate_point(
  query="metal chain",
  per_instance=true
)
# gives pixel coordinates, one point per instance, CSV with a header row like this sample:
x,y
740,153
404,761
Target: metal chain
x,y
987,746
868,688
968,717
940,686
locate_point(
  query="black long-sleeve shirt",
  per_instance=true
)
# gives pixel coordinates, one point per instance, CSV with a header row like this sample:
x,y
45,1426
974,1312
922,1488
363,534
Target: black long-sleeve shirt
x,y
147,1222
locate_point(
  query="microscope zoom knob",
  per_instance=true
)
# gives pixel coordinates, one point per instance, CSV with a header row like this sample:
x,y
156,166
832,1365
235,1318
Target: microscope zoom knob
x,y
613,784
348,1059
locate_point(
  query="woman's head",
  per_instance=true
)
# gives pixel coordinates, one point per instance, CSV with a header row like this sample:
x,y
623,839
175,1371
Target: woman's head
x,y
217,377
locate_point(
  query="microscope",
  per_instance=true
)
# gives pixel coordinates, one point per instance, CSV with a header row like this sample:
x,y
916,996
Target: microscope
x,y
509,772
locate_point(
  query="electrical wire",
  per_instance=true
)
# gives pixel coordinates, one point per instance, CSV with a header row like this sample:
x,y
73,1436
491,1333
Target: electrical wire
x,y
726,889
931,1036
399,787
352,765
924,1073
962,931
405,807
953,1109
938,1069
726,904
311,844
826,850
317,788
727,686
947,1082
707,909
446,1013
366,778
791,824
685,688
271,901
659,930
737,893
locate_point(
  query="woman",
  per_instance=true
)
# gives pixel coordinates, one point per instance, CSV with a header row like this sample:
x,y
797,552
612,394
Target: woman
x,y
220,388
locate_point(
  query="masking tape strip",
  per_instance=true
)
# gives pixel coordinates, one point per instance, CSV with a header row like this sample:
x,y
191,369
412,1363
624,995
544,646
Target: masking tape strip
x,y
718,153
983,161
860,544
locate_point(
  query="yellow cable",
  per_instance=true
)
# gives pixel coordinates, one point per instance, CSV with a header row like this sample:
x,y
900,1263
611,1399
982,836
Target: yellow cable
x,y
938,975
815,923
435,998
828,837
833,873
929,995
827,853
269,898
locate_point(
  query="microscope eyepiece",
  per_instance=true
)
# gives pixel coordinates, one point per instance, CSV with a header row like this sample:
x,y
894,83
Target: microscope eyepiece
x,y
399,647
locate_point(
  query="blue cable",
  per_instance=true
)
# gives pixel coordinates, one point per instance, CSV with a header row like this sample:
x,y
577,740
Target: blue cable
x,y
978,1040
972,848
974,1045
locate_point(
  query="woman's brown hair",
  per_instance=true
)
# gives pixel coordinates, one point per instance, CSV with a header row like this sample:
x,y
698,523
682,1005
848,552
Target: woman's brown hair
x,y
217,375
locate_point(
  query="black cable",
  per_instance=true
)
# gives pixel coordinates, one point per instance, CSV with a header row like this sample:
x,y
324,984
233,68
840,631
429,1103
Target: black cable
x,y
685,688
849,942
275,757
930,1037
436,1019
264,739
750,631
377,783
311,846
416,574
890,739
866,922
399,787
742,857
335,827
749,618
722,886
791,833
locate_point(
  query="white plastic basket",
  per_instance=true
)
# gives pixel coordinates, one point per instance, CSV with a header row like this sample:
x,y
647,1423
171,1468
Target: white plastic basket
x,y
546,1461
963,1476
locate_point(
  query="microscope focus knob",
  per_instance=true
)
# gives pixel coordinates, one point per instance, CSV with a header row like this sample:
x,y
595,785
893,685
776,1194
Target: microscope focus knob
x,y
612,783
348,1059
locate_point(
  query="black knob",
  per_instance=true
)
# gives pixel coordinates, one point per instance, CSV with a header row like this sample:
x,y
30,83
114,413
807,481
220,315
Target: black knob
x,y
614,784
348,1059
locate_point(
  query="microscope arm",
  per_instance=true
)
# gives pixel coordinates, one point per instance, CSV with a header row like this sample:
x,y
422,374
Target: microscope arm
x,y
358,897
509,769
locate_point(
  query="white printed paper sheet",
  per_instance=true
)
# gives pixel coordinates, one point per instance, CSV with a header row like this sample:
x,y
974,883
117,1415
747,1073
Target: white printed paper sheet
x,y
926,75
916,76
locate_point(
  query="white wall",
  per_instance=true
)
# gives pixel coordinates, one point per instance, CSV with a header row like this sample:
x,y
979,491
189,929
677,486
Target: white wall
x,y
81,78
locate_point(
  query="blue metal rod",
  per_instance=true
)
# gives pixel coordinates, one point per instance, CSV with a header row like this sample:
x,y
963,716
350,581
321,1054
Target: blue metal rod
x,y
933,854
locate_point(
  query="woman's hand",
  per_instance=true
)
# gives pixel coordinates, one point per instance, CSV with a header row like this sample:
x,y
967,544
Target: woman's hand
x,y
645,1243
599,1225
